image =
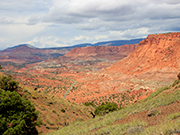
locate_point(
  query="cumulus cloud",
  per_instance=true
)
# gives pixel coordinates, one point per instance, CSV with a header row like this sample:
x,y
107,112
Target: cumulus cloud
x,y
48,23
33,20
111,15
43,42
5,20
112,10
77,11
16,34
25,6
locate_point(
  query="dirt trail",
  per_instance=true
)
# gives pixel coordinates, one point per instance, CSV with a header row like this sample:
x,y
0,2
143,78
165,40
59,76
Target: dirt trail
x,y
69,90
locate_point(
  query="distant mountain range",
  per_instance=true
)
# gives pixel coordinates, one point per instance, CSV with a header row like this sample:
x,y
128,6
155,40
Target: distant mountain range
x,y
105,43
25,53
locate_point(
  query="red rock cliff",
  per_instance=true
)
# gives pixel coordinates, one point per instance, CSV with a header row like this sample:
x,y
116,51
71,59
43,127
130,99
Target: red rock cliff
x,y
94,51
156,52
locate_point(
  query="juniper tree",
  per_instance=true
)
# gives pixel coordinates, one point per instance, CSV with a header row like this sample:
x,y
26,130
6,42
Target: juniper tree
x,y
17,115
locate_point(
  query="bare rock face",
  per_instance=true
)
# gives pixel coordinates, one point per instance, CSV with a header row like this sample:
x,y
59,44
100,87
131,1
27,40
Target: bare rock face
x,y
156,52
101,51
154,64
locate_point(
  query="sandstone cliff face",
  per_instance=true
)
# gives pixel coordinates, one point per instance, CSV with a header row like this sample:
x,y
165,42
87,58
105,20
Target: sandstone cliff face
x,y
154,64
156,52
101,50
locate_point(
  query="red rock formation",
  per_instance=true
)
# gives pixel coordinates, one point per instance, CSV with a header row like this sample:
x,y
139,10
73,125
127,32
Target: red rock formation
x,y
156,52
154,64
101,50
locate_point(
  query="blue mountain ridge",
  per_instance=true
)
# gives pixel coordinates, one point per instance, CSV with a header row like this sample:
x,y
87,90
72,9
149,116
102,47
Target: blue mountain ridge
x,y
106,43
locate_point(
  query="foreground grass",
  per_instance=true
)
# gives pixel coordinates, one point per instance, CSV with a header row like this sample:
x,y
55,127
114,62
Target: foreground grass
x,y
105,124
156,93
166,128
79,128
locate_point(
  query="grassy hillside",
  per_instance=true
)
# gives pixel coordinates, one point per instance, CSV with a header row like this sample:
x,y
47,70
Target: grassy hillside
x,y
55,112
158,114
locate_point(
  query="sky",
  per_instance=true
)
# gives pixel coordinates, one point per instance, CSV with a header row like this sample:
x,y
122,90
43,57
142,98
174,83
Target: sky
x,y
59,23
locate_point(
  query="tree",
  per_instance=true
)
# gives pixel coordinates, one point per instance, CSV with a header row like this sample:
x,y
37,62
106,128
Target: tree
x,y
89,103
6,83
0,67
17,115
106,108
178,76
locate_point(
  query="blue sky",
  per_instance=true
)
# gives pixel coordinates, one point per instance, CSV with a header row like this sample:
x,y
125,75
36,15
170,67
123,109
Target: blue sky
x,y
56,23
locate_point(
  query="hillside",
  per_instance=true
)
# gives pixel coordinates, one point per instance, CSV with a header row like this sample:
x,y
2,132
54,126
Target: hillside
x,y
126,75
86,59
154,64
54,75
28,54
105,51
158,52
103,73
158,114
53,112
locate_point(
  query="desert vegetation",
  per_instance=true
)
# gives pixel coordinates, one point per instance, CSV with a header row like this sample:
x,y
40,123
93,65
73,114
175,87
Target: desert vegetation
x,y
17,114
6,83
105,108
158,114
53,112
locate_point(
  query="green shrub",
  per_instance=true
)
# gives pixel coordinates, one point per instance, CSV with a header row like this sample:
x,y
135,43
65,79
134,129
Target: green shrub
x,y
17,115
50,103
34,96
175,82
89,103
177,86
62,110
106,108
6,83
54,111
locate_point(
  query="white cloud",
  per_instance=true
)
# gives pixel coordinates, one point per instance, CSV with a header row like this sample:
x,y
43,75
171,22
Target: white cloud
x,y
26,6
135,33
43,42
5,20
112,15
33,20
80,37
99,37
16,34
48,23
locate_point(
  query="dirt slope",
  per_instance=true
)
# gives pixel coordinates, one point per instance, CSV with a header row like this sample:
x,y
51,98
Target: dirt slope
x,y
155,63
159,114
156,52
101,50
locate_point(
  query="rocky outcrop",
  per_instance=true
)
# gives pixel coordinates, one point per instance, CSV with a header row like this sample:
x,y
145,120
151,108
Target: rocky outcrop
x,y
154,64
156,52
101,50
